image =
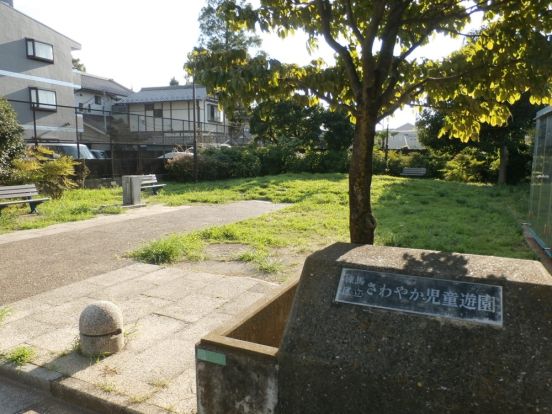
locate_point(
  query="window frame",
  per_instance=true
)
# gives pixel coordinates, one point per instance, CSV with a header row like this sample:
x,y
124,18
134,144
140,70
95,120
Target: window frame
x,y
33,55
158,113
98,100
213,112
37,105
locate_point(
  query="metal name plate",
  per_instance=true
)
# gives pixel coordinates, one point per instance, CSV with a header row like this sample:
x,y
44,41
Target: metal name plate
x,y
472,302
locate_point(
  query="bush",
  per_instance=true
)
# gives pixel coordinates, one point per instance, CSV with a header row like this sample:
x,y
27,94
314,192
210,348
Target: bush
x,y
11,139
51,175
466,166
216,164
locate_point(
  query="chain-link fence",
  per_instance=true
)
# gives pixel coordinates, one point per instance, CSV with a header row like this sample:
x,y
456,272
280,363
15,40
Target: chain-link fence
x,y
115,143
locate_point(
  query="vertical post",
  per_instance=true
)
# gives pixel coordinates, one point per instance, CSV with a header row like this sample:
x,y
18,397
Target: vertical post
x,y
194,127
386,146
77,133
34,126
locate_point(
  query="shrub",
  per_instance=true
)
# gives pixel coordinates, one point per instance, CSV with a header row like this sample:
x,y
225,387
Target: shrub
x,y
11,139
466,166
51,175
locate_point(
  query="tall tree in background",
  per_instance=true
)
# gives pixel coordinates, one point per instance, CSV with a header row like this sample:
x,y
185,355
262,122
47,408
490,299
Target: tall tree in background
x,y
220,39
508,141
12,145
376,70
173,82
78,65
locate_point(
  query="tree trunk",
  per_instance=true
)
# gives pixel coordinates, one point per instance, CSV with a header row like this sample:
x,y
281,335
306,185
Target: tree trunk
x,y
503,165
362,223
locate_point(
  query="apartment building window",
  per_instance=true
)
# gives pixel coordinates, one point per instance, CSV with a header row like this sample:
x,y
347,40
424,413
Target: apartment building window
x,y
158,113
40,51
43,99
149,107
97,99
81,106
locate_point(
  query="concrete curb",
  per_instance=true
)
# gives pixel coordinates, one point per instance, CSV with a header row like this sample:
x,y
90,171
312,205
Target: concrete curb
x,y
74,391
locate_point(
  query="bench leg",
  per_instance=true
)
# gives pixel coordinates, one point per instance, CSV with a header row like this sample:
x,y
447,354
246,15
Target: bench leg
x,y
154,191
33,207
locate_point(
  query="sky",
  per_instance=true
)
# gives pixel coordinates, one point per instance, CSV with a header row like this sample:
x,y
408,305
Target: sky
x,y
141,43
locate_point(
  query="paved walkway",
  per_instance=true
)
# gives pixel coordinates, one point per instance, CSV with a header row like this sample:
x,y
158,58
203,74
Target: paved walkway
x,y
166,311
35,261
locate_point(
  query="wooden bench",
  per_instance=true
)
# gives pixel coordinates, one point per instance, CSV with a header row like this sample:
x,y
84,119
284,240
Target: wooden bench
x,y
413,172
20,194
150,182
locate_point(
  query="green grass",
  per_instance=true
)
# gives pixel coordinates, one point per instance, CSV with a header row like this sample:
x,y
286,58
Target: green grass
x,y
20,355
74,205
417,213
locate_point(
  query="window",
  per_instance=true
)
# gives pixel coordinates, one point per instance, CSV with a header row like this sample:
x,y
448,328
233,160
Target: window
x,y
40,51
149,107
81,106
97,99
43,100
213,113
158,113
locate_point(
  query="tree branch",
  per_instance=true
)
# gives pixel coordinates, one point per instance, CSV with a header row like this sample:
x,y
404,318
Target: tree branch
x,y
326,14
352,21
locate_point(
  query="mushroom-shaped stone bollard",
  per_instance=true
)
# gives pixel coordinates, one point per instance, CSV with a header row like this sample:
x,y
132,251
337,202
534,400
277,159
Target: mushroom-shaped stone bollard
x,y
101,329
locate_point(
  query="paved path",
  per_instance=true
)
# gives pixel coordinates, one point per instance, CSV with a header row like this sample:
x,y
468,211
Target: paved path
x,y
35,261
18,399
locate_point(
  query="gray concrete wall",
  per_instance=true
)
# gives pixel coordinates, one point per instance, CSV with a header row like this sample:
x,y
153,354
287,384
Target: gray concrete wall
x,y
18,73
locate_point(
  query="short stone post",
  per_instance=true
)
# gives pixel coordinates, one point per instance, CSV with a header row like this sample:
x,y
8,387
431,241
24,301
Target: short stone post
x,y
132,190
101,329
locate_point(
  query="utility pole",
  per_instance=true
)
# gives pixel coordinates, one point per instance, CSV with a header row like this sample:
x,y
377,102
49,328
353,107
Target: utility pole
x,y
194,127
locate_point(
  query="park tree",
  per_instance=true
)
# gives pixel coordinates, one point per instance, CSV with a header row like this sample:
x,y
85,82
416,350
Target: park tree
x,y
378,68
173,82
12,145
507,141
78,65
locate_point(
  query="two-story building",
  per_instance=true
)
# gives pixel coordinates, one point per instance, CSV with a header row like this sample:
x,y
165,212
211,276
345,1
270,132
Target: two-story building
x,y
165,115
37,77
94,101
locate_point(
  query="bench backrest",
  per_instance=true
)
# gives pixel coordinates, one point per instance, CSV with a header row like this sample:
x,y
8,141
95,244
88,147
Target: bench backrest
x,y
149,179
18,191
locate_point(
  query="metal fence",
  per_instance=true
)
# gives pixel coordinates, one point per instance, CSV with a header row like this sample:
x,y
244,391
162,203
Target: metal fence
x,y
127,143
540,203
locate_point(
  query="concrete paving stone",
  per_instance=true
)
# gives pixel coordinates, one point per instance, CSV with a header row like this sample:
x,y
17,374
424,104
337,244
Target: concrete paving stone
x,y
115,276
177,289
57,340
85,394
180,393
123,290
151,329
32,374
42,356
263,287
144,267
240,303
165,360
70,364
192,308
204,277
14,398
64,315
139,306
64,293
20,331
228,287
23,308
121,384
197,330
163,275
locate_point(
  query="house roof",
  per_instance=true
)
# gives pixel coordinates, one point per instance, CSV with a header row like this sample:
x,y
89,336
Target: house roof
x,y
99,84
166,94
74,46
404,137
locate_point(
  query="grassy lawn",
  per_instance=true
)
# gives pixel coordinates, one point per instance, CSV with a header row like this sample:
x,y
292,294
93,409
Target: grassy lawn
x,y
419,213
73,206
